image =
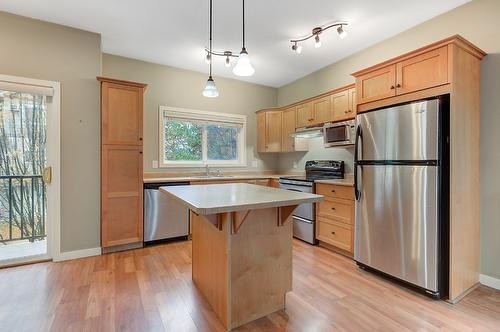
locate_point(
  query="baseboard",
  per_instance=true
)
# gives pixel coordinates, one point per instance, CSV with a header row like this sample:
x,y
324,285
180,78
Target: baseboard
x,y
489,281
64,256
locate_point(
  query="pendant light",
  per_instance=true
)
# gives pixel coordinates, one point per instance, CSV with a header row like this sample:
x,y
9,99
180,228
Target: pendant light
x,y
210,90
243,66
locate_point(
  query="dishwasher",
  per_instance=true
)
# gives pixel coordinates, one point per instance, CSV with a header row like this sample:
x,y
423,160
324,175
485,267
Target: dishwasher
x,y
164,218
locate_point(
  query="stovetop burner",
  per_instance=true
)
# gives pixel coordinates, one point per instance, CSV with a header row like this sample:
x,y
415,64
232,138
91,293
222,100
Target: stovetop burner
x,y
320,169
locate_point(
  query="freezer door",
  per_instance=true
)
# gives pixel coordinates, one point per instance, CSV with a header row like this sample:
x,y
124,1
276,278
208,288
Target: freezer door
x,y
406,132
396,227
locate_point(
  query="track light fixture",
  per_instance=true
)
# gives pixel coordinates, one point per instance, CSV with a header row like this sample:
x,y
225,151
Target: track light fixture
x,y
243,65
296,47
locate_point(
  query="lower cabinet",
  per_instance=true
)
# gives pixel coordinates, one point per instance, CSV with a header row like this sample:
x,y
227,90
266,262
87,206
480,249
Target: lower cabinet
x,y
335,217
121,195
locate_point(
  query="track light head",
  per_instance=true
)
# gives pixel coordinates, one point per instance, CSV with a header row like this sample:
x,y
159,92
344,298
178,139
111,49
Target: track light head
x,y
342,33
317,41
297,48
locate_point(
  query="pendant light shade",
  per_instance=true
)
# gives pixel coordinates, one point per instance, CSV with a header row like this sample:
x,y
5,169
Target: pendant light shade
x,y
210,90
243,66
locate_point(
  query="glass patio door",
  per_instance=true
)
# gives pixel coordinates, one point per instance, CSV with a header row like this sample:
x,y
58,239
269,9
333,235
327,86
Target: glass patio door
x,y
23,158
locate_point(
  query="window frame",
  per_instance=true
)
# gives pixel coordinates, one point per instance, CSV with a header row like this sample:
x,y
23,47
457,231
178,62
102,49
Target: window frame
x,y
207,117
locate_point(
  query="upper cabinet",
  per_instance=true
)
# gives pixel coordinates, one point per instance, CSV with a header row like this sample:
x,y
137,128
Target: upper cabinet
x,y
304,115
274,129
276,125
121,113
269,130
404,75
288,128
321,110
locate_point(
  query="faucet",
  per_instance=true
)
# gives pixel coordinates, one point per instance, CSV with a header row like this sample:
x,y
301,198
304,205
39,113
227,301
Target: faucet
x,y
207,170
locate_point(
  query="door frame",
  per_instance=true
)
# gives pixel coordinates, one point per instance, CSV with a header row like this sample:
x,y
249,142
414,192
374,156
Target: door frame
x,y
54,160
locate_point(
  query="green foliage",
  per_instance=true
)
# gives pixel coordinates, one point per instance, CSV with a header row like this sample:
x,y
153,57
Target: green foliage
x,y
183,140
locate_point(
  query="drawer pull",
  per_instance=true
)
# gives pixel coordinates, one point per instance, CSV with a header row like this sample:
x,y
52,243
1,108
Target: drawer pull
x,y
333,208
333,232
333,190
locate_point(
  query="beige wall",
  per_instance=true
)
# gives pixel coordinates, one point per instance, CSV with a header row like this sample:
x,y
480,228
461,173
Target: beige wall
x,y
40,50
477,21
169,86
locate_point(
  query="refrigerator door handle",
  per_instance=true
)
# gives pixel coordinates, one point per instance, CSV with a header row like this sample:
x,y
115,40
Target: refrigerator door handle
x,y
359,134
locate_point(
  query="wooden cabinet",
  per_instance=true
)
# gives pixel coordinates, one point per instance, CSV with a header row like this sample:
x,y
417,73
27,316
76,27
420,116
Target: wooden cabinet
x,y
321,110
340,103
304,115
378,84
352,110
121,164
335,217
269,131
288,128
274,127
423,71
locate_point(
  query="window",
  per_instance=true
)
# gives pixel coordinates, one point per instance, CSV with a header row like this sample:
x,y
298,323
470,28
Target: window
x,y
191,138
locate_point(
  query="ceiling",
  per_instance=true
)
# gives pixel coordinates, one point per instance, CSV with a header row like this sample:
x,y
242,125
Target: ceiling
x,y
175,32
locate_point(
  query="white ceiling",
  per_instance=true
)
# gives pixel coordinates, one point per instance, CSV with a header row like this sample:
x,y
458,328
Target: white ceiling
x,y
175,32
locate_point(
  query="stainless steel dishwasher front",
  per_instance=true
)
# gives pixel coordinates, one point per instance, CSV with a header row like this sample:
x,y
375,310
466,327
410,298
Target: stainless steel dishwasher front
x,y
164,218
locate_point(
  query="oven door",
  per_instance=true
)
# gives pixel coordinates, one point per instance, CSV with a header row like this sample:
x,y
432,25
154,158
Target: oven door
x,y
304,211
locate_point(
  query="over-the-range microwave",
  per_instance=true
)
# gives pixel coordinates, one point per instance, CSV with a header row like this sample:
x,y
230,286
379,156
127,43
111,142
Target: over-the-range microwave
x,y
339,133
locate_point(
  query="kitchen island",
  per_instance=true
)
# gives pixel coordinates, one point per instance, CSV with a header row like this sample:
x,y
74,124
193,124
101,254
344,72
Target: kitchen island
x,y
242,246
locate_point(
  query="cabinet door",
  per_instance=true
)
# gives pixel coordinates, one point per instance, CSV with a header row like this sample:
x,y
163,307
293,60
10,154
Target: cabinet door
x,y
423,71
322,110
304,115
288,127
122,108
121,195
378,84
352,103
273,131
261,132
340,101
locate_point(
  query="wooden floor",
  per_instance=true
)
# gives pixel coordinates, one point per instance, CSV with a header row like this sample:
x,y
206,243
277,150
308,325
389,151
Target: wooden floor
x,y
151,290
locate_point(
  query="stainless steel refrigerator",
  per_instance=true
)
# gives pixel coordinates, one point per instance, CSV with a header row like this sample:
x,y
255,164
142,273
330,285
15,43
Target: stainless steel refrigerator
x,y
401,187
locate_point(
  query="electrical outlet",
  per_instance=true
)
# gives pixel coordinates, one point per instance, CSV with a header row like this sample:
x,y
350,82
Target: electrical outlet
x,y
255,163
294,164
155,163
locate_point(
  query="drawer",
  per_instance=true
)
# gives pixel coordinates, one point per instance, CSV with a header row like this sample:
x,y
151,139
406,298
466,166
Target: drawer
x,y
335,235
341,210
262,182
330,190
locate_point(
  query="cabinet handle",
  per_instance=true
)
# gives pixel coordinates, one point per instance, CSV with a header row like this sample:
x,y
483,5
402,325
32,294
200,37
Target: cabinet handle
x,y
333,190
392,87
333,232
140,152
310,119
140,138
333,208
398,85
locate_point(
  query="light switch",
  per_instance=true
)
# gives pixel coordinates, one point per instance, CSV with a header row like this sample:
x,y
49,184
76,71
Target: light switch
x,y
255,163
155,163
294,164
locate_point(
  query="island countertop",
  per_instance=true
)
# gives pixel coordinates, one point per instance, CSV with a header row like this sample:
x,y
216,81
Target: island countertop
x,y
221,198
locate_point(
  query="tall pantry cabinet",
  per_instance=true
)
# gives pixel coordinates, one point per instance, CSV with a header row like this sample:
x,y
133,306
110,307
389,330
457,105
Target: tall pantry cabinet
x,y
121,164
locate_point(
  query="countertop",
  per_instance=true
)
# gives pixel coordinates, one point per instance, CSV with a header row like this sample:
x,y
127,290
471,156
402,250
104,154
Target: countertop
x,y
190,178
349,182
229,197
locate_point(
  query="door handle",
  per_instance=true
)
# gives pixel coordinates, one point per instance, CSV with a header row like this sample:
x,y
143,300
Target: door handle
x,y
47,175
359,135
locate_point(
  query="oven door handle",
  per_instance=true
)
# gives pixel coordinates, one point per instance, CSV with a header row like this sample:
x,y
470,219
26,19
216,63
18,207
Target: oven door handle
x,y
303,220
300,191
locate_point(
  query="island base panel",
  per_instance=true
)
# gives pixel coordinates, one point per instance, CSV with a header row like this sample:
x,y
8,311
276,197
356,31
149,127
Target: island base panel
x,y
243,272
